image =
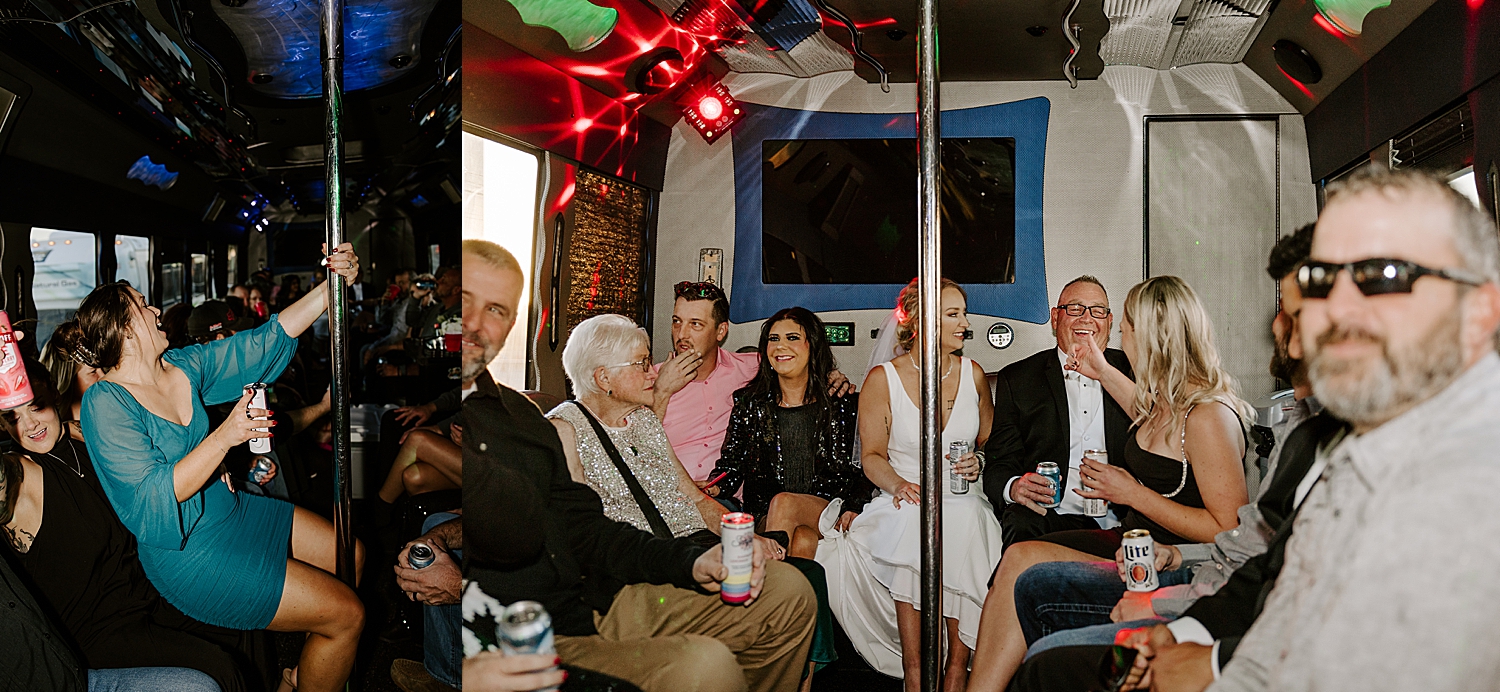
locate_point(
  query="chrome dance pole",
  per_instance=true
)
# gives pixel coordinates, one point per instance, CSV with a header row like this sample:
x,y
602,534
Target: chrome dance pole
x,y
333,159
929,274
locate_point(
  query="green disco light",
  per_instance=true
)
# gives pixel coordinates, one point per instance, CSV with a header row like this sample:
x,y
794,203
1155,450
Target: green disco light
x,y
582,24
1348,16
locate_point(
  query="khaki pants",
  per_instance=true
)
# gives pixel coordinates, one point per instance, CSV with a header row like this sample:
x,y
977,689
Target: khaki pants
x,y
666,639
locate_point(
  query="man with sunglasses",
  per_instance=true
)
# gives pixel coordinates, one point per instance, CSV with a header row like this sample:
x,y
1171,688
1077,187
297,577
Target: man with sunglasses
x,y
1399,324
695,386
1046,411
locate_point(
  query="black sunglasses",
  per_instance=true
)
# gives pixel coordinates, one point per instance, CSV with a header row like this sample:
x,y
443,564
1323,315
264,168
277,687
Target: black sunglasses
x,y
1373,276
700,290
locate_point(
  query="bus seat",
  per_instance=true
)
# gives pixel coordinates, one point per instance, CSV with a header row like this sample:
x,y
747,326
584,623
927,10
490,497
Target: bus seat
x,y
543,400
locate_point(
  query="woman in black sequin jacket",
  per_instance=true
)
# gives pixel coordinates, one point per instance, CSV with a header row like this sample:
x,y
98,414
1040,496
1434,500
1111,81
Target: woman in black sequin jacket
x,y
789,444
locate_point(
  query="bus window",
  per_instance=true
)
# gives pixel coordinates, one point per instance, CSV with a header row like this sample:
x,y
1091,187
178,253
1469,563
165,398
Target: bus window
x,y
200,279
133,261
66,270
171,284
499,199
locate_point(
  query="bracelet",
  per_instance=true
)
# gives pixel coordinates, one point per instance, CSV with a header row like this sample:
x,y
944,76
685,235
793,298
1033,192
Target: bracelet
x,y
979,453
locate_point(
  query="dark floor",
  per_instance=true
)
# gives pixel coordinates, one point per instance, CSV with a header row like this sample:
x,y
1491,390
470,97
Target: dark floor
x,y
850,673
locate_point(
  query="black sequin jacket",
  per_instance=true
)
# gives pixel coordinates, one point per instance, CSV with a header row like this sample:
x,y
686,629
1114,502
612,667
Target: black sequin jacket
x,y
751,455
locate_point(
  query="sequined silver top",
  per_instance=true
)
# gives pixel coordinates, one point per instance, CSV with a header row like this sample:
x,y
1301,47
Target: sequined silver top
x,y
643,445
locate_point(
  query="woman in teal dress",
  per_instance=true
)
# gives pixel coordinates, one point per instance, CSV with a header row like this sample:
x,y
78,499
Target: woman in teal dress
x,y
218,555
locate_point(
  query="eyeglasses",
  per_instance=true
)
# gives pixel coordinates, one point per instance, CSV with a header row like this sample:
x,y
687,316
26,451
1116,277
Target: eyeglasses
x,y
1373,276
1077,310
644,364
700,290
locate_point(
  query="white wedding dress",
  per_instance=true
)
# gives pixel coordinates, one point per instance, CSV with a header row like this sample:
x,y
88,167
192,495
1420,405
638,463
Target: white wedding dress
x,y
878,560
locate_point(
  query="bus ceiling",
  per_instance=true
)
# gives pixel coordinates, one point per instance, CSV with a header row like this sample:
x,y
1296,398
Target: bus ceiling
x,y
205,116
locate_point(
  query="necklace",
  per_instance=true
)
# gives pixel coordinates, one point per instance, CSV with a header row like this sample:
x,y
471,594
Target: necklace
x,y
919,368
77,465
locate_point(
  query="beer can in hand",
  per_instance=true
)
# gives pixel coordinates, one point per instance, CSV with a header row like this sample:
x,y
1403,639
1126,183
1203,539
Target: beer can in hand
x,y
420,556
957,484
1091,506
1051,472
1140,560
260,469
259,445
15,388
737,536
526,628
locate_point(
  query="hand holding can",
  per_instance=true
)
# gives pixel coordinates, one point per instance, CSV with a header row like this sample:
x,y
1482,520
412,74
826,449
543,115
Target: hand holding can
x,y
737,536
1094,507
259,445
526,628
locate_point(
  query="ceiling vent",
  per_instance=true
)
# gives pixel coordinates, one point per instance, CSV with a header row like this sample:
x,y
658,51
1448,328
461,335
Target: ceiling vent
x,y
1173,33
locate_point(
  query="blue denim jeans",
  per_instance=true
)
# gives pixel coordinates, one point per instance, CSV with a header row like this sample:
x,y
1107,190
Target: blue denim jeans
x,y
1057,596
150,680
442,649
1095,635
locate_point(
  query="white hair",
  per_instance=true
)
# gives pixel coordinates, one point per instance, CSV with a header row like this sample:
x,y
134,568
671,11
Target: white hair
x,y
597,342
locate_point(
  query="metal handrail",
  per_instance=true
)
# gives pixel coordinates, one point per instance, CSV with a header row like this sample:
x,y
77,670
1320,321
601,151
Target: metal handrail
x,y
929,281
332,28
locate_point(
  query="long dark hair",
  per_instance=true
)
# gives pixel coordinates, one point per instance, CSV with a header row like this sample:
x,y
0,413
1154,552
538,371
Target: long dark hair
x,y
767,384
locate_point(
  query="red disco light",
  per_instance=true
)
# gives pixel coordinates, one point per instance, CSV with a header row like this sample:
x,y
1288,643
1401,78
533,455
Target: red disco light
x,y
710,109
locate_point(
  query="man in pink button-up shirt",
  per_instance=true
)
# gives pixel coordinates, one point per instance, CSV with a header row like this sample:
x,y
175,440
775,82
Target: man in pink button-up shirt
x,y
695,386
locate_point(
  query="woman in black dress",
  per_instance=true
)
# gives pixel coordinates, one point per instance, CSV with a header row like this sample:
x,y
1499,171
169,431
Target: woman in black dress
x,y
790,444
81,559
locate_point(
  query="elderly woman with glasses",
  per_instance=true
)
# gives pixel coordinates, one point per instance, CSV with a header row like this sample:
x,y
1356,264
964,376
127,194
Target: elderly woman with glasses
x,y
614,442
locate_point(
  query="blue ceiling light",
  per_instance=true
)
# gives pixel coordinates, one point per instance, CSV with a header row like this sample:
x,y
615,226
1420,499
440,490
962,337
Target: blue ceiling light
x,y
151,173
280,40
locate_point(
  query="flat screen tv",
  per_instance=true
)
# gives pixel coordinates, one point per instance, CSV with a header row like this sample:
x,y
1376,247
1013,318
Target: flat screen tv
x,y
844,211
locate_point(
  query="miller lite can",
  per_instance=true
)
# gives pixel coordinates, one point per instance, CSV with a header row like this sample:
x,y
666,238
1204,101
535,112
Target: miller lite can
x,y
1050,471
957,484
420,556
526,628
737,536
259,445
15,388
1140,560
1094,507
260,469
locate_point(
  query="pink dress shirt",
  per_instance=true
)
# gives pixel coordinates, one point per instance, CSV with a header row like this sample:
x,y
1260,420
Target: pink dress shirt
x,y
698,416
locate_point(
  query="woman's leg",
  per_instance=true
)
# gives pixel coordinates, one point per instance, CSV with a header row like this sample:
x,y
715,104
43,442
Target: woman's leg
x,y
314,543
790,510
804,543
909,625
422,446
313,601
422,478
956,677
1002,645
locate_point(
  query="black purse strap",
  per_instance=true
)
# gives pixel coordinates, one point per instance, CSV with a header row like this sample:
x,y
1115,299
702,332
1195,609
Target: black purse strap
x,y
659,526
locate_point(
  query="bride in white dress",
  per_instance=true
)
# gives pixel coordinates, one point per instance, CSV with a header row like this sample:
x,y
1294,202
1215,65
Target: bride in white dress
x,y
874,568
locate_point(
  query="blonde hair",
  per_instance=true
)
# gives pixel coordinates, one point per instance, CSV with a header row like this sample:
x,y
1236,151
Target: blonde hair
x,y
1176,364
496,256
909,310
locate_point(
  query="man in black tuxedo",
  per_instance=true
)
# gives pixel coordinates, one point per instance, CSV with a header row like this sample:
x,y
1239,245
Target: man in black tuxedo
x,y
1044,412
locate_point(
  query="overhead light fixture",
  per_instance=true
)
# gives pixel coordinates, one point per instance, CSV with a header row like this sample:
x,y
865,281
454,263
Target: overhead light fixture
x,y
1296,62
657,71
1348,16
711,110
582,24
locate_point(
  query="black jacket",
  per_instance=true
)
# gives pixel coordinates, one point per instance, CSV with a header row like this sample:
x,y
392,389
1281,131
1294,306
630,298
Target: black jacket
x,y
531,533
36,653
1229,612
751,455
1031,421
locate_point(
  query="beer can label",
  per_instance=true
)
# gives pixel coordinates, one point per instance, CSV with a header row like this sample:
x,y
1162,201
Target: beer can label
x,y
1051,472
525,628
15,388
259,445
737,536
1140,560
958,485
1094,507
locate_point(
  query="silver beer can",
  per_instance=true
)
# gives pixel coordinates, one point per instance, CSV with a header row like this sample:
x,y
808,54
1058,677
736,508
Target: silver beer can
x,y
260,468
1140,560
420,556
957,484
526,628
1094,507
1051,472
